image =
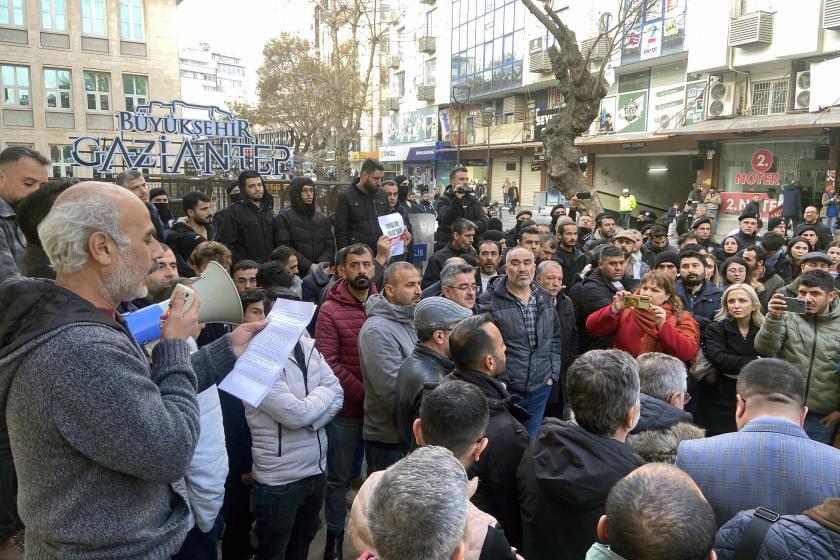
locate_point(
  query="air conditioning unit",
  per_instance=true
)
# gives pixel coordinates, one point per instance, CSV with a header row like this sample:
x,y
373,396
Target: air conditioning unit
x,y
720,98
425,93
755,28
595,48
831,14
394,62
392,104
426,45
540,62
802,99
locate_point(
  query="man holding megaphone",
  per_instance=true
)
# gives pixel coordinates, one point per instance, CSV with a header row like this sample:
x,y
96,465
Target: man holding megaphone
x,y
101,439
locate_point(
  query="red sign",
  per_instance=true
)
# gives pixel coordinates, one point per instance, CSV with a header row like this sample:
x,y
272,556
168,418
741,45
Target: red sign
x,y
744,178
762,161
733,203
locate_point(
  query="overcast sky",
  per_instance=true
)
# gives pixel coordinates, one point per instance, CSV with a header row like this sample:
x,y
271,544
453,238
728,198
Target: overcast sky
x,y
241,27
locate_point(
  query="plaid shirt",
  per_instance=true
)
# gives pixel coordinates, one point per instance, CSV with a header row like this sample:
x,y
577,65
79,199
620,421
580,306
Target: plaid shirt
x,y
770,463
529,315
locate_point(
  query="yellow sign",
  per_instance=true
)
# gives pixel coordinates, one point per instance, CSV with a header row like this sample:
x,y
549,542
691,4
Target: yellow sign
x,y
358,156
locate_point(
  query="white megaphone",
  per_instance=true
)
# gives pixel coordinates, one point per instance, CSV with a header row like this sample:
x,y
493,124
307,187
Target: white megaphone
x,y
217,293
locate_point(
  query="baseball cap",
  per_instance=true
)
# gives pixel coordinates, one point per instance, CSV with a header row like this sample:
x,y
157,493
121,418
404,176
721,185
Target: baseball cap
x,y
624,234
625,191
817,256
438,312
647,214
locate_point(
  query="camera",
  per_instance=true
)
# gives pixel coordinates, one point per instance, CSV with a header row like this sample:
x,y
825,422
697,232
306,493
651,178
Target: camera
x,y
462,190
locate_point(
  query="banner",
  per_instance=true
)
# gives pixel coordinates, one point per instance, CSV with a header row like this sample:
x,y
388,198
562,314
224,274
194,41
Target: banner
x,y
606,118
651,40
414,127
445,125
733,203
630,116
666,103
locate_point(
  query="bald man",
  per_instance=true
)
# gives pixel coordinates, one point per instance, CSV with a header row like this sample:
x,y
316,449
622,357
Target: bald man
x,y
101,439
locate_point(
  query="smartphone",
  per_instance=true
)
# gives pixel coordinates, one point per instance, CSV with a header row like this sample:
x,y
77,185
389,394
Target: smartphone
x,y
583,195
642,302
795,305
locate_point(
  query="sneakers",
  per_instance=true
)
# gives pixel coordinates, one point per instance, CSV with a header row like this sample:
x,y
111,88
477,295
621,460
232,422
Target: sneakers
x,y
12,549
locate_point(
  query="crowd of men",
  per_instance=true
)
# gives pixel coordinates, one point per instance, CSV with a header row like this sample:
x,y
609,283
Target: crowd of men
x,y
528,396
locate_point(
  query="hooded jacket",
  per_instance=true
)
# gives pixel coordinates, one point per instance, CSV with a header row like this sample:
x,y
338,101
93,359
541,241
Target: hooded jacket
x,y
248,230
306,230
814,535
497,492
527,369
809,343
564,479
340,319
386,339
101,440
357,214
449,209
660,430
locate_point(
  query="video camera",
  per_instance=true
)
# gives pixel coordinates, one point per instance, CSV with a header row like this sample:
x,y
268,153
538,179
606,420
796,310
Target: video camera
x,y
462,190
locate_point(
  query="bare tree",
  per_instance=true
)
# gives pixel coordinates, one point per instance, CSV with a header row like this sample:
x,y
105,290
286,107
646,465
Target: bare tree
x,y
582,85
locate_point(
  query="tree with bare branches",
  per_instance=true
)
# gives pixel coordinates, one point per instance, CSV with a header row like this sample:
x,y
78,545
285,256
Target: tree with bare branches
x,y
582,85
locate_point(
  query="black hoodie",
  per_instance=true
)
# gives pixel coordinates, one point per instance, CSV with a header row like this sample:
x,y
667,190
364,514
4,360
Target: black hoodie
x,y
305,230
564,479
248,230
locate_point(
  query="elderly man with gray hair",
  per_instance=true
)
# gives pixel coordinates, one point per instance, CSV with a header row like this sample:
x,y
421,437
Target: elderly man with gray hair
x,y
459,284
101,439
663,423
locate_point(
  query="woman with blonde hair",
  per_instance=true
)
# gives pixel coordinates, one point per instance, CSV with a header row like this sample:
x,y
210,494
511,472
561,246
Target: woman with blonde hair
x,y
729,345
663,327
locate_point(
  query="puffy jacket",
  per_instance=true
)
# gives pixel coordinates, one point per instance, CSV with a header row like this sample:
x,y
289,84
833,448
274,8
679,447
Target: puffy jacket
x,y
248,230
423,366
814,535
449,209
527,369
289,442
809,343
340,319
660,430
387,338
357,216
208,469
704,304
678,336
304,229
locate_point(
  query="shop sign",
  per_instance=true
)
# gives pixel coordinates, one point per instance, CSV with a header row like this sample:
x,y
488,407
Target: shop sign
x,y
359,156
536,165
445,125
631,112
394,153
651,40
633,146
733,203
541,119
425,153
210,145
607,114
414,127
761,162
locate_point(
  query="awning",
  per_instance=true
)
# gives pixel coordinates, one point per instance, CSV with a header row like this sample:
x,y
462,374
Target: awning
x,y
791,121
637,143
620,138
483,147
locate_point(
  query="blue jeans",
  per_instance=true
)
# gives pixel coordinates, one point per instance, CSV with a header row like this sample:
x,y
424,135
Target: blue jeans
x,y
830,223
534,403
818,432
343,435
624,219
713,212
287,518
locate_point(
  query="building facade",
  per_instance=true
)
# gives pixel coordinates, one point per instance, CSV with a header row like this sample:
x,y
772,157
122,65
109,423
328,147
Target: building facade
x,y
66,66
210,76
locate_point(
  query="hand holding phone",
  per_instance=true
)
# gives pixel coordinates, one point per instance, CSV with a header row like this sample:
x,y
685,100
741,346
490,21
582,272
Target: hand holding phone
x,y
640,302
795,305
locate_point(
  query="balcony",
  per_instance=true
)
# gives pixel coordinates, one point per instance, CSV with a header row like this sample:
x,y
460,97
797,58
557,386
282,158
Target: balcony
x,y
831,14
426,93
392,104
426,44
595,48
394,62
751,29
540,62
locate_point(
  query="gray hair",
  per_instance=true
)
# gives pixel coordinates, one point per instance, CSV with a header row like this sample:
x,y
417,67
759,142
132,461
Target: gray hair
x,y
65,231
127,176
544,265
510,253
603,386
450,271
419,509
661,375
390,274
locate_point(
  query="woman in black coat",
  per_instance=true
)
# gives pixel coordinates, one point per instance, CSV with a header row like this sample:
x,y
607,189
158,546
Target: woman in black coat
x,y
729,345
303,228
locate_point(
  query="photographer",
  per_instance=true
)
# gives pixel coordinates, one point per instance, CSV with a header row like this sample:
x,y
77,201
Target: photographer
x,y
459,201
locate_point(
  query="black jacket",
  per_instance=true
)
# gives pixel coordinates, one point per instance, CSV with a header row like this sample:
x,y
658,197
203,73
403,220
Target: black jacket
x,y
423,366
496,468
248,231
356,216
745,240
436,262
657,415
568,332
572,264
564,479
824,235
183,240
449,209
527,369
703,305
593,293
307,231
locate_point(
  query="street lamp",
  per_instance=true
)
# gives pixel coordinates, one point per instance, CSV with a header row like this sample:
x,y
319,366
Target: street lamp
x,y
488,116
460,94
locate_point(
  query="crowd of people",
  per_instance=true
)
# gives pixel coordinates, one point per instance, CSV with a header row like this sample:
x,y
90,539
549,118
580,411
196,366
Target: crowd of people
x,y
559,390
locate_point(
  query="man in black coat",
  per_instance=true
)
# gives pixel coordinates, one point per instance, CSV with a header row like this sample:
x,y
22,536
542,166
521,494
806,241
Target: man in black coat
x,y
812,219
568,254
248,229
458,202
476,348
434,319
303,228
461,245
747,235
569,469
359,206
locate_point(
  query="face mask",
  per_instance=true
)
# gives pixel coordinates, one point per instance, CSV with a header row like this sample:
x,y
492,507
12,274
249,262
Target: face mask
x,y
163,210
233,197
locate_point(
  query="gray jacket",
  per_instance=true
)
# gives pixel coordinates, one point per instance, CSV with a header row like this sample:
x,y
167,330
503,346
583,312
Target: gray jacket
x,y
386,339
527,370
12,242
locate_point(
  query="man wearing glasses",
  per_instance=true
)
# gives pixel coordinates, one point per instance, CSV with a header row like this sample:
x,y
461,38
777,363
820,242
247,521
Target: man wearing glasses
x,y
458,284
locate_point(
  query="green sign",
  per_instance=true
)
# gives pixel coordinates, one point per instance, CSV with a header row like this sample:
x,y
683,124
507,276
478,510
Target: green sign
x,y
631,110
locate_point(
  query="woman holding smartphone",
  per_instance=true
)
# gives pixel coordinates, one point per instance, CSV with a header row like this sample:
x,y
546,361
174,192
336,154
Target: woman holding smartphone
x,y
654,322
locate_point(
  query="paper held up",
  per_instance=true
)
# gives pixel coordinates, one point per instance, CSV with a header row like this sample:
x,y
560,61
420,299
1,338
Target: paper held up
x,y
258,367
393,228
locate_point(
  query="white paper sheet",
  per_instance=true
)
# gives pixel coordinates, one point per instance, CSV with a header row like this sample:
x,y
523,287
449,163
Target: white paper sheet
x,y
257,369
393,227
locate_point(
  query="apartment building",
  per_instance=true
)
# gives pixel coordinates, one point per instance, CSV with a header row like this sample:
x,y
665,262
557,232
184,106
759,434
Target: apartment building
x,y
66,66
210,76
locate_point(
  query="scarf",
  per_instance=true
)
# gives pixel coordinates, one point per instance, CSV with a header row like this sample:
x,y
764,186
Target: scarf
x,y
647,322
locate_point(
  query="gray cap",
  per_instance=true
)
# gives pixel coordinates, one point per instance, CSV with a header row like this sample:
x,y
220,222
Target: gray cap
x,y
438,312
814,256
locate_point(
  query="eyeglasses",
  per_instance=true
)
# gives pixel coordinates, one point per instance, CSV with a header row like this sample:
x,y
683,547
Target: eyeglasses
x,y
464,287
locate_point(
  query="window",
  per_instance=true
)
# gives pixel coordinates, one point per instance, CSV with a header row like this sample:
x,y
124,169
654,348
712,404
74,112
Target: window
x,y
53,15
400,84
429,72
770,98
15,81
131,20
136,90
430,23
98,91
93,18
11,12
57,88
62,161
